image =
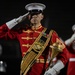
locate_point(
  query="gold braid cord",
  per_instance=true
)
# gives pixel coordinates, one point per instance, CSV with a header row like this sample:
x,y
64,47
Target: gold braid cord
x,y
34,52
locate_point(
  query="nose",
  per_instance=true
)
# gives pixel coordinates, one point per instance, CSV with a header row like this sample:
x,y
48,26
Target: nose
x,y
34,16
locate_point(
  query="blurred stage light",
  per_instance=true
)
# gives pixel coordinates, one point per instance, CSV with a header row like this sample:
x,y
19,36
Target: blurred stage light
x,y
3,66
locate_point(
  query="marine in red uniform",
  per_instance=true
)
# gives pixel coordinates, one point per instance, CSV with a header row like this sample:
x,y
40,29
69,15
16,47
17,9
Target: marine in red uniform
x,y
70,43
27,36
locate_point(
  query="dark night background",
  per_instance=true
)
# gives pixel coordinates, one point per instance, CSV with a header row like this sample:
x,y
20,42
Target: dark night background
x,y
59,16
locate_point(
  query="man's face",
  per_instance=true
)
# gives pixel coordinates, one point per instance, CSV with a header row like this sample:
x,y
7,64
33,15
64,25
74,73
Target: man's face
x,y
36,18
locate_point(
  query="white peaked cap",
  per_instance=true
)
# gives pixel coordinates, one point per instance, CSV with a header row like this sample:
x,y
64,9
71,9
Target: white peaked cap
x,y
35,6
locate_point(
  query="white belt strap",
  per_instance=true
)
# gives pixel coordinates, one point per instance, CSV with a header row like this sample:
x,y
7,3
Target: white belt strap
x,y
72,59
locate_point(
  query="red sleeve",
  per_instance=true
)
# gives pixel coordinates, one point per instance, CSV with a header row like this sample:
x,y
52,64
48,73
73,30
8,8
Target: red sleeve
x,y
5,32
63,56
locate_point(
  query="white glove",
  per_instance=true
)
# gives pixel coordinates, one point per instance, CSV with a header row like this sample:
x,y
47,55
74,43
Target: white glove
x,y
73,37
50,71
70,40
14,22
21,18
55,69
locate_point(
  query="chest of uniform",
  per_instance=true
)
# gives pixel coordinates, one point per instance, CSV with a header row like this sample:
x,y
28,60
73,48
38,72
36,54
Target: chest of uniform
x,y
28,37
30,33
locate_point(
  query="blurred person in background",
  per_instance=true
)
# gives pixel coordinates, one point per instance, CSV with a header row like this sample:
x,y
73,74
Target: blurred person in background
x,y
70,43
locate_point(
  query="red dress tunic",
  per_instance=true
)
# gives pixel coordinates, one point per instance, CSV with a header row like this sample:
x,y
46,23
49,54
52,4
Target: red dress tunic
x,y
26,39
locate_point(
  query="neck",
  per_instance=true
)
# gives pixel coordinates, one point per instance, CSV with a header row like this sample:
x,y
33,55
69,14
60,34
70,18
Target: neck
x,y
35,26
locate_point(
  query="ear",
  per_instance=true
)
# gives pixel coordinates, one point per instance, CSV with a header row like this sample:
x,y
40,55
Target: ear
x,y
42,16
